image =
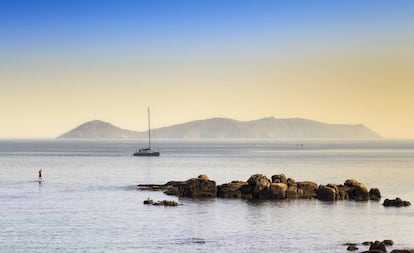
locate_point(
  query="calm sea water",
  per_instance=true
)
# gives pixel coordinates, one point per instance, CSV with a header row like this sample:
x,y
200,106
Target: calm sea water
x,y
89,201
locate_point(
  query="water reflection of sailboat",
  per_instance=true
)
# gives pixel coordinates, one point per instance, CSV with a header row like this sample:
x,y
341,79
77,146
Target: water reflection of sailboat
x,y
147,151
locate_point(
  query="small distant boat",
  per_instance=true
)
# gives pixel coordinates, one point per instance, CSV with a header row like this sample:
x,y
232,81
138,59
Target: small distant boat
x,y
147,151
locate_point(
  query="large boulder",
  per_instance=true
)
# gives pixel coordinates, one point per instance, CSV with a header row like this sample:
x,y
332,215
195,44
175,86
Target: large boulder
x,y
357,191
310,189
327,192
292,192
351,182
230,190
259,185
279,178
291,181
194,187
278,190
361,192
246,191
374,194
343,192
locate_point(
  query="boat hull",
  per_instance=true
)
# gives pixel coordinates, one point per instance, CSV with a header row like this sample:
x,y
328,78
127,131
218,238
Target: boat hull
x,y
152,153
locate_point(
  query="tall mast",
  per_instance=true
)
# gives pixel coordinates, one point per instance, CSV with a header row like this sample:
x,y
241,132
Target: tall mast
x,y
149,130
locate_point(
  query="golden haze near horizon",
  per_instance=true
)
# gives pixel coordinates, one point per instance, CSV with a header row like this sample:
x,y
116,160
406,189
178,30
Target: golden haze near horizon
x,y
375,88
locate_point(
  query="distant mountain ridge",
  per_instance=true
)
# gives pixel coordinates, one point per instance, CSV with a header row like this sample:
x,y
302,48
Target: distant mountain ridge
x,y
228,128
97,129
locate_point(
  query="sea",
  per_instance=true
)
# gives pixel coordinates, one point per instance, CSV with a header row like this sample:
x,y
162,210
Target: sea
x,y
89,201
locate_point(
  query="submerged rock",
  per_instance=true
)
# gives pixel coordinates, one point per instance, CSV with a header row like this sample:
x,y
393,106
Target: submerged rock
x,y
352,248
377,245
165,203
153,187
396,202
149,201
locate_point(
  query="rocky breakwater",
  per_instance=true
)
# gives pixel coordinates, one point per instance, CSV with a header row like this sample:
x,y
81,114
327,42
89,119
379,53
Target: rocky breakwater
x,y
258,186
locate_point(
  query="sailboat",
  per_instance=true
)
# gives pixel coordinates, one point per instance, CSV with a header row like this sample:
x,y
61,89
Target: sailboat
x,y
147,151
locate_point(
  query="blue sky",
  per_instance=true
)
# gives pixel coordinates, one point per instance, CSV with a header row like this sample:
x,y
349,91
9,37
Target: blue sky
x,y
252,58
158,23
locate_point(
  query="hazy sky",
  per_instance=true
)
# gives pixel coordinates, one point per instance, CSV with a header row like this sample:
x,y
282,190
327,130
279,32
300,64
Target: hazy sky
x,y
66,62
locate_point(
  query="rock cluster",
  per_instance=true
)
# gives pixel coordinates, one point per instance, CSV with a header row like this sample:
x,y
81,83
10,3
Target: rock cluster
x,y
160,203
377,247
396,202
258,186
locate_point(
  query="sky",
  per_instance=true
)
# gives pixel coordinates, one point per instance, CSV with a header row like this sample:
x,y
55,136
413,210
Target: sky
x,y
65,62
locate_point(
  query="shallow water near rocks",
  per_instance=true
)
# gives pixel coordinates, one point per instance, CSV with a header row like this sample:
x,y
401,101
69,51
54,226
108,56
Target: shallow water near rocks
x,y
89,201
